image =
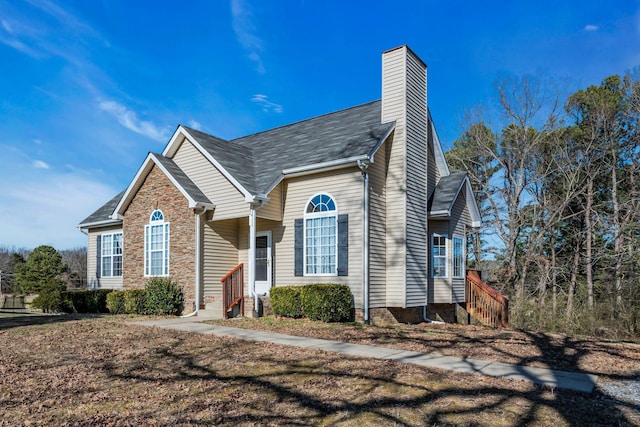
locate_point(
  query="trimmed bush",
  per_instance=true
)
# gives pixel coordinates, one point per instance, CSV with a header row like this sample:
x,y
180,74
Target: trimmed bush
x,y
164,296
287,301
135,301
91,301
327,302
115,302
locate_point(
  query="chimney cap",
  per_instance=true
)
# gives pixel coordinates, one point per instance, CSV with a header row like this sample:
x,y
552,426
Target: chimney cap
x,y
404,46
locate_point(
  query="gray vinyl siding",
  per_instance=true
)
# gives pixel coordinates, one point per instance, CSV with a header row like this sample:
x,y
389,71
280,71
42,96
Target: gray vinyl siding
x,y
439,289
460,220
432,170
394,108
346,187
416,183
377,227
273,208
94,282
220,256
229,201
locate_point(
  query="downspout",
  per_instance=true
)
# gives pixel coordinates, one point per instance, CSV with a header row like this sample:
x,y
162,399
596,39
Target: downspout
x,y
364,167
198,261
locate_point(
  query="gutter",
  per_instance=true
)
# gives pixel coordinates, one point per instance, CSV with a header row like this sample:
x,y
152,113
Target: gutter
x,y
333,164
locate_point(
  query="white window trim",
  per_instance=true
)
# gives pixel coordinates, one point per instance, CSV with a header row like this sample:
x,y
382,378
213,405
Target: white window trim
x,y
166,246
315,215
446,256
453,256
112,255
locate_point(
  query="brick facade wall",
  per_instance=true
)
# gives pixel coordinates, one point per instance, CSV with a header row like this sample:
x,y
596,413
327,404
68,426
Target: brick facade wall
x,y
157,192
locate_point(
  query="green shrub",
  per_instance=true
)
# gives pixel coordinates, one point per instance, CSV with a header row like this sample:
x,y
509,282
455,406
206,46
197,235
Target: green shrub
x,y
50,298
164,296
91,301
286,301
327,302
115,302
135,301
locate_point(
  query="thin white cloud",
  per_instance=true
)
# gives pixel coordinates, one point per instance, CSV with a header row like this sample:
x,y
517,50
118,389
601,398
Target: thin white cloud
x,y
591,27
266,105
195,124
129,119
39,164
245,29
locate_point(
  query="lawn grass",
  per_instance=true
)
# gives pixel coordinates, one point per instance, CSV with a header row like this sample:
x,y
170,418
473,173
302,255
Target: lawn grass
x,y
107,371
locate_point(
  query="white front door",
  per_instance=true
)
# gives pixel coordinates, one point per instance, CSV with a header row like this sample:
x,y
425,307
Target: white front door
x,y
263,262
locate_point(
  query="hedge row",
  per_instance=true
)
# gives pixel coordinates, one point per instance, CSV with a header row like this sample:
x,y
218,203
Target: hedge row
x,y
326,302
160,296
55,299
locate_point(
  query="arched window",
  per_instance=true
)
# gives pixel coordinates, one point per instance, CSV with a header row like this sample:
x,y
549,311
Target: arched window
x,y
156,245
321,236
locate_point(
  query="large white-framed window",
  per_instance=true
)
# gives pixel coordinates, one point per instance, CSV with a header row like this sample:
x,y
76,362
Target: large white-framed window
x,y
111,255
458,257
439,255
156,245
321,236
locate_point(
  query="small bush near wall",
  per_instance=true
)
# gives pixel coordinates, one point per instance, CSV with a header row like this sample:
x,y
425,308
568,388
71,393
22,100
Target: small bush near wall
x,y
327,302
164,296
286,301
135,301
115,302
92,301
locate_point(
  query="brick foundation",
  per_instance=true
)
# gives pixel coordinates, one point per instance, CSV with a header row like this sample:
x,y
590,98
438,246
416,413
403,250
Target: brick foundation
x,y
157,192
448,313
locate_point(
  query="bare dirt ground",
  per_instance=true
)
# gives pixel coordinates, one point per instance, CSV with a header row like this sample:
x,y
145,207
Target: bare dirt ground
x,y
70,371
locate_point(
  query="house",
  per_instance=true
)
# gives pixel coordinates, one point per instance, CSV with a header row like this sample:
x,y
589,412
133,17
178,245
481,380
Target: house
x,y
361,197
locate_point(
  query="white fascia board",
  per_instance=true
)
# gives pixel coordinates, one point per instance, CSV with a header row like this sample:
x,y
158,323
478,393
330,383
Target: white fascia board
x,y
223,171
472,205
97,224
132,188
175,142
441,162
439,214
382,140
317,167
136,183
192,203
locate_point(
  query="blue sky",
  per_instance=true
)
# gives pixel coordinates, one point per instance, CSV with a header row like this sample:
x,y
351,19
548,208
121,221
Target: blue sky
x,y
87,88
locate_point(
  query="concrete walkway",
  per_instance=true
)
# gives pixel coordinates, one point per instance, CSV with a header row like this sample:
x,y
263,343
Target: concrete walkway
x,y
559,379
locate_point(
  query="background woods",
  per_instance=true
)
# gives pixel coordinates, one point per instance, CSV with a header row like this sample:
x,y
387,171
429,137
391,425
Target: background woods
x,y
558,189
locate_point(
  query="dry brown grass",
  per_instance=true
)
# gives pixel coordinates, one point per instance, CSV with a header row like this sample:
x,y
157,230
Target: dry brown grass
x,y
106,371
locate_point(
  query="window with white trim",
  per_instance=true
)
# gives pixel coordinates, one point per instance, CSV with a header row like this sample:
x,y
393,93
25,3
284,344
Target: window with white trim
x,y
111,255
439,255
321,236
156,245
458,257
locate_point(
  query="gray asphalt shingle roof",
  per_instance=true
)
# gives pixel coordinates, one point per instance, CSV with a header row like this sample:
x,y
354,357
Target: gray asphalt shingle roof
x,y
104,212
257,160
445,193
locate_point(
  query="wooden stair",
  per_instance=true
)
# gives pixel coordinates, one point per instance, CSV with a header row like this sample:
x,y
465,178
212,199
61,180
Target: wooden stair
x,y
485,303
233,292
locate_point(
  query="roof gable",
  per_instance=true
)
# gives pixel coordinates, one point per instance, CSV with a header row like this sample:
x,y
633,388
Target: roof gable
x,y
183,183
446,193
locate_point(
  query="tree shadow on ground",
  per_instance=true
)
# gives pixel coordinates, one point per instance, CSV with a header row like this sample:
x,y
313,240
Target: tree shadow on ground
x,y
315,387
15,318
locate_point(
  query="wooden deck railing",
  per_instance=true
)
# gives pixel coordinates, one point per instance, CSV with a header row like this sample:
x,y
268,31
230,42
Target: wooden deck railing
x,y
233,290
485,303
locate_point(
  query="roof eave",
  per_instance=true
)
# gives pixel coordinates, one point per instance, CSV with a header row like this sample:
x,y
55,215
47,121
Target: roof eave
x,y
97,224
325,166
375,149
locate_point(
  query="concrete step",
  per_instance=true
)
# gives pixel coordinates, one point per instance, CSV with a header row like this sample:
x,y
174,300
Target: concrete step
x,y
210,313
